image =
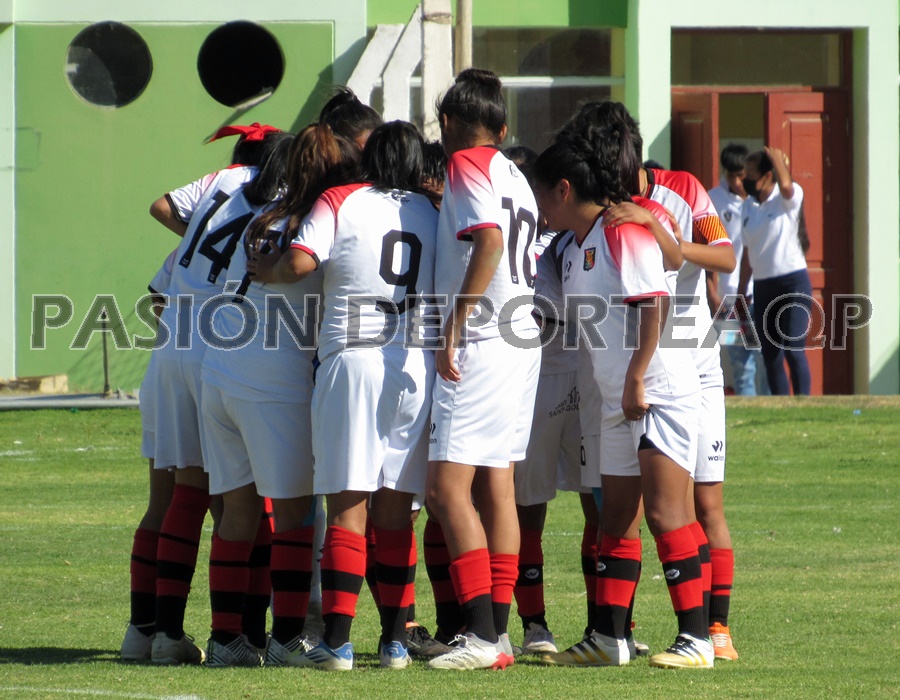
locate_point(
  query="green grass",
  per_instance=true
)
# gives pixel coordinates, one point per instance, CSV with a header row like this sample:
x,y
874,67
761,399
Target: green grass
x,y
812,503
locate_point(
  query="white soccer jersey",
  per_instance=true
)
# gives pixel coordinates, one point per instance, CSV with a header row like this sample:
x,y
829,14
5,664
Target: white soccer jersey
x,y
202,260
728,204
184,200
770,234
683,195
484,189
163,277
550,304
376,251
622,265
273,329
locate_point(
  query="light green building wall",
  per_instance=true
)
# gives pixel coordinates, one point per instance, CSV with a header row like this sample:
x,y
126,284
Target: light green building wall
x,y
522,13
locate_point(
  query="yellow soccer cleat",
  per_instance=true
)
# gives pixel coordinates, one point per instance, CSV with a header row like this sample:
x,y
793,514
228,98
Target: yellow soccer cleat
x,y
686,652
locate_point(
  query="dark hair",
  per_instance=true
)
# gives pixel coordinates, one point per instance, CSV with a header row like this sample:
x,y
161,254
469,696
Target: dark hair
x,y
269,179
475,100
653,164
318,159
761,161
733,157
392,157
347,116
524,159
591,165
435,166
608,116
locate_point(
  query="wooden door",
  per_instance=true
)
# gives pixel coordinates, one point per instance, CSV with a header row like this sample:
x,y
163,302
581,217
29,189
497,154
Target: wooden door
x,y
695,135
813,130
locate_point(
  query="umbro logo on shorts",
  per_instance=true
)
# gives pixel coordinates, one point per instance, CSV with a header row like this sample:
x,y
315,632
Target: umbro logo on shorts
x,y
672,574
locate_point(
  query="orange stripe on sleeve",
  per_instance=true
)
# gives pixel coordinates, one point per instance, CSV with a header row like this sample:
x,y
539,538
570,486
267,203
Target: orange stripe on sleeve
x,y
709,230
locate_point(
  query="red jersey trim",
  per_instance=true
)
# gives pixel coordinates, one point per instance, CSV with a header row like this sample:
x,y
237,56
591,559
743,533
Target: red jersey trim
x,y
646,296
478,158
309,251
466,233
336,196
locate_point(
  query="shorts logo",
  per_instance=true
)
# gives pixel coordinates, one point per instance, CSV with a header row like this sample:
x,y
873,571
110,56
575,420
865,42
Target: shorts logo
x,y
532,574
672,574
590,257
433,439
718,445
601,567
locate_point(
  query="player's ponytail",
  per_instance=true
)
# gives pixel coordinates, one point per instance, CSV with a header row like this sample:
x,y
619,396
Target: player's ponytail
x,y
476,102
348,116
393,158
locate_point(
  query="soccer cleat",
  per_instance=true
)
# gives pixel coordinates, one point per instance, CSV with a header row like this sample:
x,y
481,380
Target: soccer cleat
x,y
421,643
136,645
324,658
393,655
278,654
509,653
723,647
173,652
236,653
636,648
686,652
538,640
594,650
471,652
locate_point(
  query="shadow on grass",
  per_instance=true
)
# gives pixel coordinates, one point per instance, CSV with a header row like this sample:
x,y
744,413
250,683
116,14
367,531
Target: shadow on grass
x,y
40,656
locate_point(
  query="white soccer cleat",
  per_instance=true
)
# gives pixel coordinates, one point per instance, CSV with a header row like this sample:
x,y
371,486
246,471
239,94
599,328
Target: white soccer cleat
x,y
685,652
136,645
324,658
594,650
394,655
509,654
236,653
278,654
174,652
471,652
538,640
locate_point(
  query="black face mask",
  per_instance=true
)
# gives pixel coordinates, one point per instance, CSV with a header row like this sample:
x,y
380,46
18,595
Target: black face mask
x,y
750,187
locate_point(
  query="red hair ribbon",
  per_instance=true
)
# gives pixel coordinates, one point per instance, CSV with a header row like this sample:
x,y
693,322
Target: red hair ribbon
x,y
254,132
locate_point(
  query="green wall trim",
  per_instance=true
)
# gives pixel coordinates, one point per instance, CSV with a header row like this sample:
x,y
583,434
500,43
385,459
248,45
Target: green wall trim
x,y
523,13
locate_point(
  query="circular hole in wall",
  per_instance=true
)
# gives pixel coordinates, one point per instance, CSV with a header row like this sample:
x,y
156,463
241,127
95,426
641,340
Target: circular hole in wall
x,y
240,64
108,64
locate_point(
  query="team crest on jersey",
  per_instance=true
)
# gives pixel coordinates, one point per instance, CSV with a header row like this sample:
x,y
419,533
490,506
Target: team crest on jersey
x,y
590,257
729,216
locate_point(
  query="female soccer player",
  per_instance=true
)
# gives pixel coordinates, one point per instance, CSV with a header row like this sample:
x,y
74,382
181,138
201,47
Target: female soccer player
x,y
487,366
650,397
257,386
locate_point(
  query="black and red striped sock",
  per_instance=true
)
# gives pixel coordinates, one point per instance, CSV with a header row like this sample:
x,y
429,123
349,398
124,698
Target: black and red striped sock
x,y
371,577
618,570
259,588
292,556
529,590
681,566
343,573
448,614
395,554
471,574
504,573
589,569
722,582
229,578
179,542
705,565
143,579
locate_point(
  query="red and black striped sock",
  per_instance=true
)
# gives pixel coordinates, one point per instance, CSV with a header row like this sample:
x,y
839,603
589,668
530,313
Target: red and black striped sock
x,y
292,556
471,574
448,614
371,577
343,572
529,590
618,571
259,589
395,555
229,578
705,565
143,579
504,573
179,542
722,581
681,566
589,569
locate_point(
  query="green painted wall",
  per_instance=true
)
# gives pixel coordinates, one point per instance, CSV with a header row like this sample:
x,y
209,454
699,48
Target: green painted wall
x,y
86,176
522,13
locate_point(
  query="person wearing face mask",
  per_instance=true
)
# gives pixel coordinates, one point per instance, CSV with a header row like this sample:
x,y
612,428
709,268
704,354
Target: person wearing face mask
x,y
773,255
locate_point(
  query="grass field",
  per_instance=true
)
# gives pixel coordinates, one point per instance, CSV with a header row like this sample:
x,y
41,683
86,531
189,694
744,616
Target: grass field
x,y
812,500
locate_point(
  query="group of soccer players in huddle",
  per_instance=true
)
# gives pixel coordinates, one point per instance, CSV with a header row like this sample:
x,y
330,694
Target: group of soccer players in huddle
x,y
357,315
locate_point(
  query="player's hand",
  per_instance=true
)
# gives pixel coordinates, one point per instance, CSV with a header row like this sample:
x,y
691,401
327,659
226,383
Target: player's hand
x,y
445,358
260,265
676,228
633,405
627,213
